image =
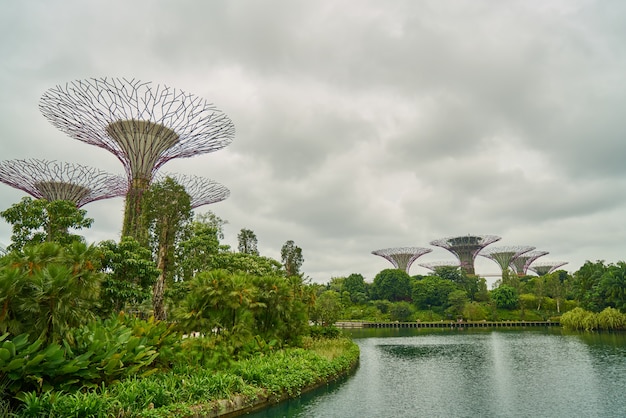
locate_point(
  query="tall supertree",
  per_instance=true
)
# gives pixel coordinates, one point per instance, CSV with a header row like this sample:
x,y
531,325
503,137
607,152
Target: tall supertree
x,y
201,190
504,256
465,248
51,180
546,267
521,263
402,257
142,124
434,265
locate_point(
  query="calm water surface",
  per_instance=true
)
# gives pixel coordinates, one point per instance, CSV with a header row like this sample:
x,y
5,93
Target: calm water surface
x,y
482,373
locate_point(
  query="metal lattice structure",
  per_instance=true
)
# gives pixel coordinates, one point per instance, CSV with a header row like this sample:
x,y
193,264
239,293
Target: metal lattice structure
x,y
201,190
546,267
142,124
402,257
3,250
521,263
504,256
434,265
51,180
465,248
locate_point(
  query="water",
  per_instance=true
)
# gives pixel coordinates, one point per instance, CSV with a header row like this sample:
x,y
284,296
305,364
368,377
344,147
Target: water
x,y
481,373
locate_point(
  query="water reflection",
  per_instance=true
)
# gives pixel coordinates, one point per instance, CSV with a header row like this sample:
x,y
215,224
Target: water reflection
x,y
530,373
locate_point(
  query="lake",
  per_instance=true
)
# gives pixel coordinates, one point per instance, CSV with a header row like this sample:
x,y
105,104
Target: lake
x,y
475,373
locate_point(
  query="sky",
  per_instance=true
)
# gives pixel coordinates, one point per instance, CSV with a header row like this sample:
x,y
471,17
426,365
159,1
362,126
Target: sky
x,y
360,125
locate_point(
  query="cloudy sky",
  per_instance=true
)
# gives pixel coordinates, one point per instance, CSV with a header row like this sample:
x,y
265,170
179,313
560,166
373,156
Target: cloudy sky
x,y
360,125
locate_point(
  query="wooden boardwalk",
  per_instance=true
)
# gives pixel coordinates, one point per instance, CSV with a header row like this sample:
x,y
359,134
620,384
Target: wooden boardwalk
x,y
447,324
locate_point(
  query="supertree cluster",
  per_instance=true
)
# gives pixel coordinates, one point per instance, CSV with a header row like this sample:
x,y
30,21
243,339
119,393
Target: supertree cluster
x,y
546,267
465,248
520,263
142,124
51,180
519,258
506,255
402,257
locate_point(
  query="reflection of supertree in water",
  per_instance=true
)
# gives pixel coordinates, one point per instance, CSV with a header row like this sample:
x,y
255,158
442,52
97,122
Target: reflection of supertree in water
x,y
520,264
465,248
546,267
402,257
143,125
201,190
50,180
504,256
434,265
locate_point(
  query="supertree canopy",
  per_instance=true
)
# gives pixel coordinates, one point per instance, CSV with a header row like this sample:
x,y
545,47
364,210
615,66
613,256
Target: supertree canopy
x,y
465,248
50,180
546,267
504,256
434,265
201,190
520,264
402,257
142,124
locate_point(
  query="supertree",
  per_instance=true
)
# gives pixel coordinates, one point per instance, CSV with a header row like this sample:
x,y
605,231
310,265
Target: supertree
x,y
402,257
504,256
546,267
465,248
142,124
434,265
521,263
51,180
201,190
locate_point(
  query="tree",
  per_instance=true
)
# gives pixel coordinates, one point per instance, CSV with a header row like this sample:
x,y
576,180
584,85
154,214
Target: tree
x,y
327,308
130,274
49,289
37,221
586,281
356,286
392,285
505,297
167,211
432,291
198,247
612,286
291,256
247,242
456,302
400,311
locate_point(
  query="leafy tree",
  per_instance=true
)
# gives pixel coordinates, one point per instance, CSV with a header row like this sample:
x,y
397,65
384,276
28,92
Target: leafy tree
x,y
505,297
556,286
392,285
291,256
247,242
612,286
400,311
356,286
49,289
432,291
130,274
255,265
198,247
327,308
214,221
37,221
586,281
167,211
456,302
